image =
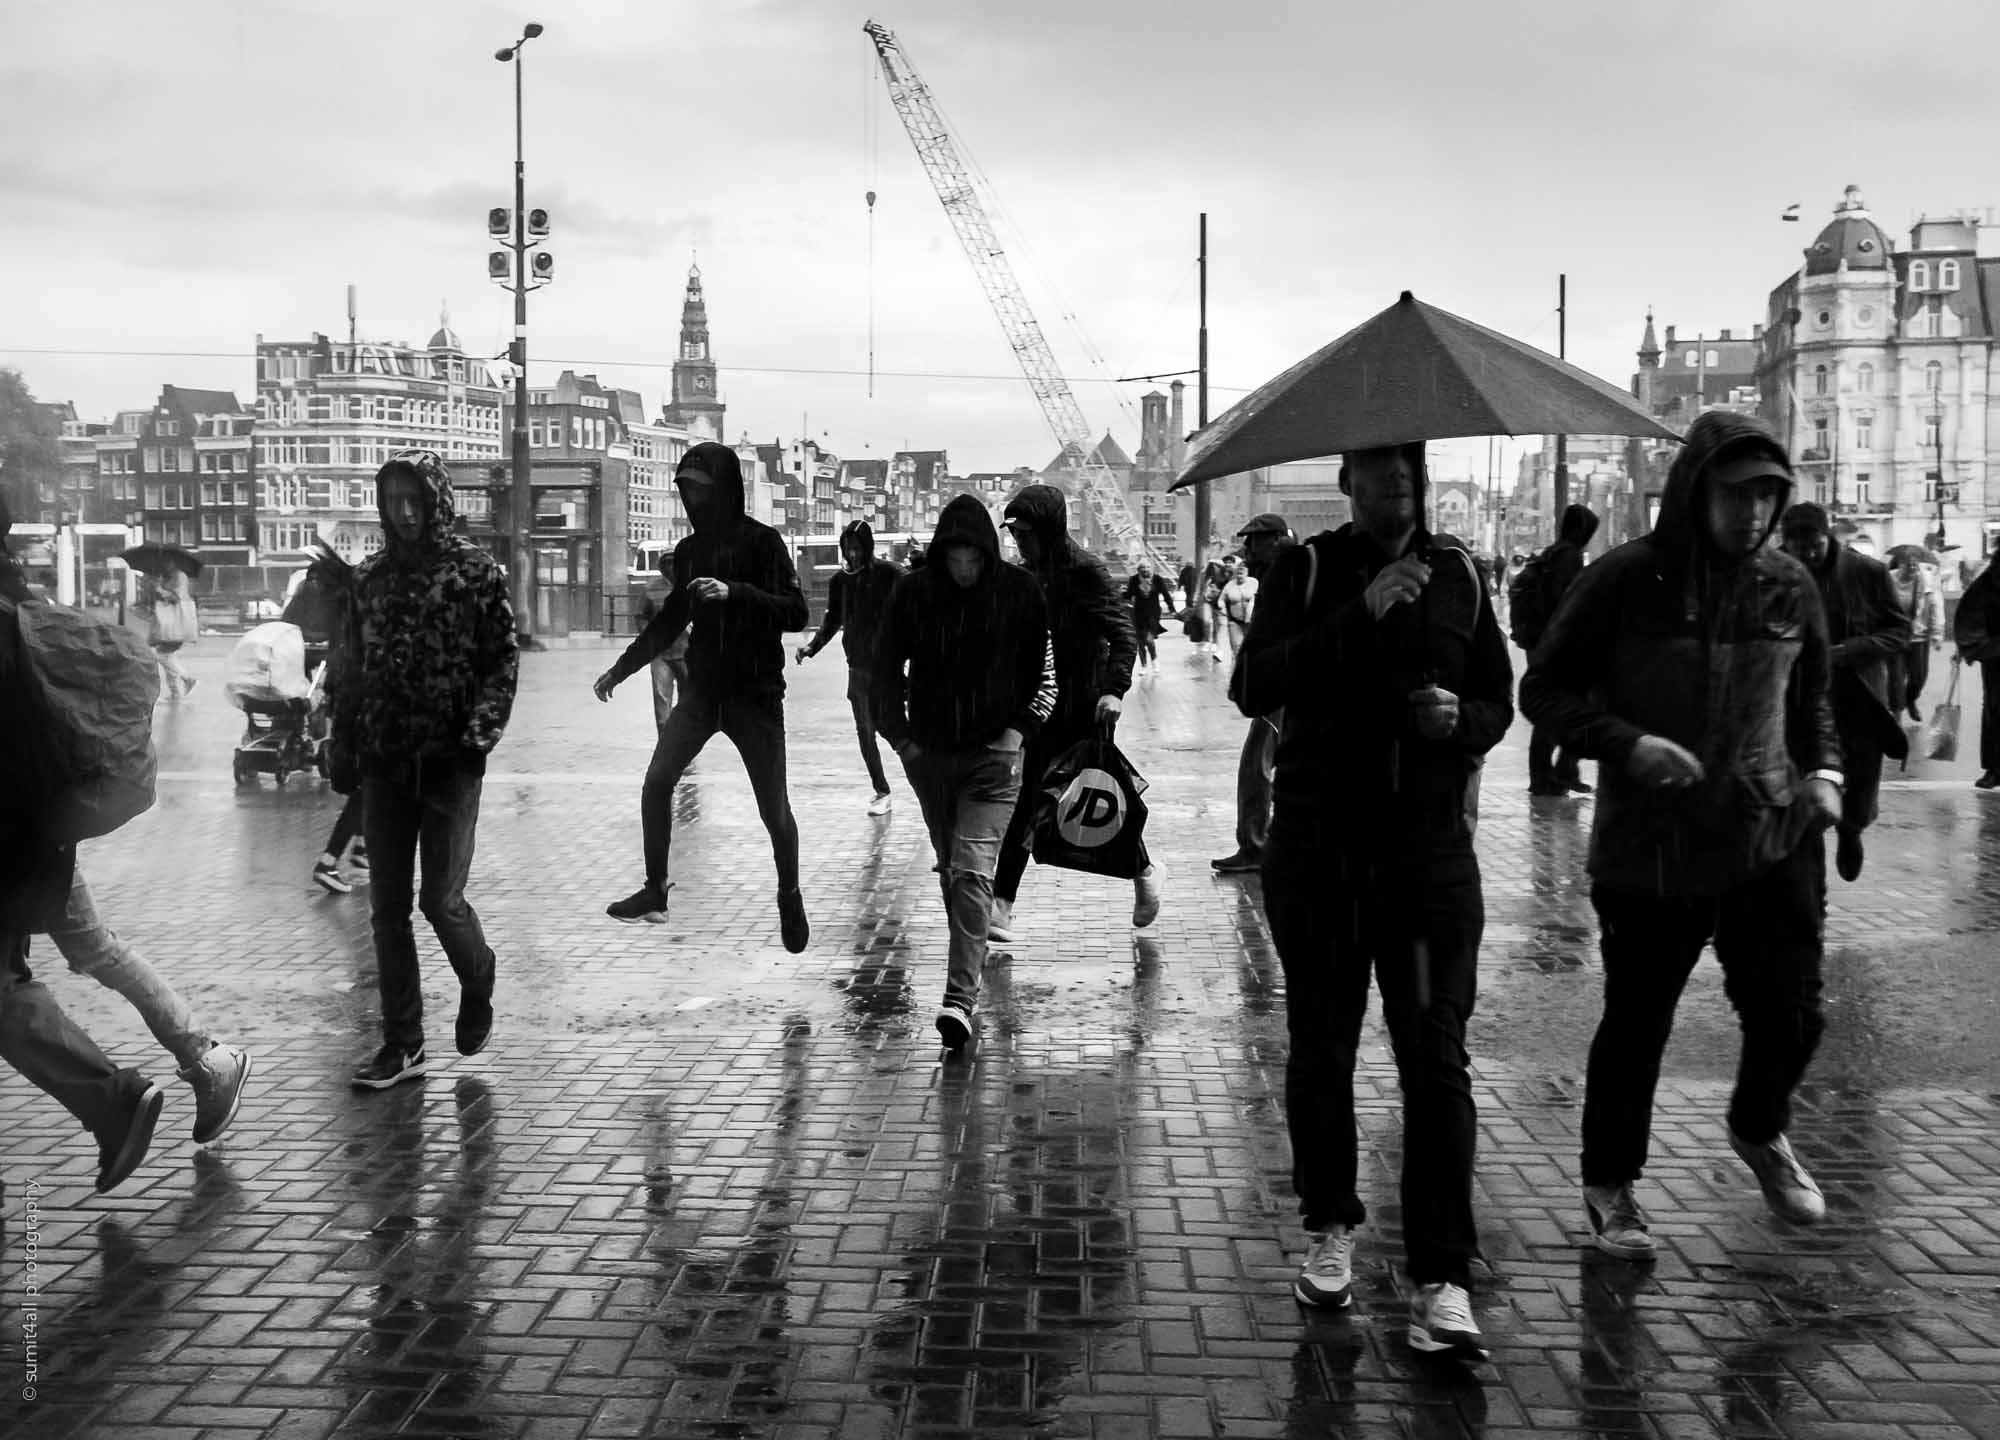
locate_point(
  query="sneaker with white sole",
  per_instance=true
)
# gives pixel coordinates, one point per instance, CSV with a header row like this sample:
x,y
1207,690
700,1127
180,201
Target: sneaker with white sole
x,y
1441,1322
1000,925
1326,1279
954,1026
1617,1224
882,804
1146,897
647,904
391,1066
326,875
217,1079
1791,1193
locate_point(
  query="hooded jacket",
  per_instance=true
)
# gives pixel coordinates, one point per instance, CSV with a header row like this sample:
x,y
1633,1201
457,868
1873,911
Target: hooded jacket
x,y
1976,627
1350,763
1666,636
428,669
855,600
979,659
1866,623
1563,561
1091,626
738,648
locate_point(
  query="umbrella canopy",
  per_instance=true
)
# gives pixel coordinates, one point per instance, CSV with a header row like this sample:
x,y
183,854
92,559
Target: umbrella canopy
x,y
1897,553
154,558
1413,372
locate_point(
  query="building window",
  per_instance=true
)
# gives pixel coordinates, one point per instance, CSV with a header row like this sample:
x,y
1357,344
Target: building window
x,y
1934,377
576,432
1819,379
1933,482
1933,432
1920,275
1864,379
208,494
1819,489
1862,484
1690,359
1933,317
1864,432
1947,275
1820,437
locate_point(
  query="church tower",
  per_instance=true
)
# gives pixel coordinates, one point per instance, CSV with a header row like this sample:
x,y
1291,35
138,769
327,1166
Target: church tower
x,y
695,403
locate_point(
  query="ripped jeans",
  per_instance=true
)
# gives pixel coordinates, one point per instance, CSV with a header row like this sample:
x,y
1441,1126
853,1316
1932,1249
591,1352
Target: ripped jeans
x,y
967,798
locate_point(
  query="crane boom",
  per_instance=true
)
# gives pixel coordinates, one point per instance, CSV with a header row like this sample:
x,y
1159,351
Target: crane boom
x,y
948,176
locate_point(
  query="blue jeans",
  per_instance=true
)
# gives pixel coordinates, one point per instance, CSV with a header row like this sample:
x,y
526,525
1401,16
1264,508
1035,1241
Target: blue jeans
x,y
967,799
436,817
93,948
53,1053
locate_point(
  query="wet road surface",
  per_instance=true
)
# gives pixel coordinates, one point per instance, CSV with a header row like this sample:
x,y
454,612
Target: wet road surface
x,y
701,1187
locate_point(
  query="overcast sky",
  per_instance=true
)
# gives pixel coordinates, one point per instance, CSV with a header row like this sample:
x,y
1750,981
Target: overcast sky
x,y
182,177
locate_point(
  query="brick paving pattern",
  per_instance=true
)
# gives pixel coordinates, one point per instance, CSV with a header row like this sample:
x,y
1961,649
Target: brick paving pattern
x,y
701,1187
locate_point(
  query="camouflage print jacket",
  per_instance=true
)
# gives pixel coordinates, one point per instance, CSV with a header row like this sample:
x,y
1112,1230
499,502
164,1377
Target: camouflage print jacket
x,y
425,669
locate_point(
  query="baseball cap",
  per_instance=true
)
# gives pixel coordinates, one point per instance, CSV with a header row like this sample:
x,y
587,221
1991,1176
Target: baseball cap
x,y
1265,524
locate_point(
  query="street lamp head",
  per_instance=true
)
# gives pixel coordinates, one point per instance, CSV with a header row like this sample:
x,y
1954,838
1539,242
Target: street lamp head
x,y
530,31
503,56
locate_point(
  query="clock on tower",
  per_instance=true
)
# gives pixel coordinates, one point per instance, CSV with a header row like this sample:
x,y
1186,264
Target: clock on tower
x,y
694,403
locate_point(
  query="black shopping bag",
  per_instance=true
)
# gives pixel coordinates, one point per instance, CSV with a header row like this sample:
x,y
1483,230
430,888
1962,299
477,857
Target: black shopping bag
x,y
1090,814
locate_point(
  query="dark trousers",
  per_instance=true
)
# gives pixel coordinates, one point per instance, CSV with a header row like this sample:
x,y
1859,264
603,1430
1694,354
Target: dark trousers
x,y
346,825
755,725
1916,671
54,1053
435,818
864,727
1253,785
1989,715
1545,766
1335,920
1768,938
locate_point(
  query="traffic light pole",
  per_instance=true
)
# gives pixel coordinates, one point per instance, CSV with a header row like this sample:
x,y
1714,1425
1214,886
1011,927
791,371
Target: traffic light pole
x,y
521,494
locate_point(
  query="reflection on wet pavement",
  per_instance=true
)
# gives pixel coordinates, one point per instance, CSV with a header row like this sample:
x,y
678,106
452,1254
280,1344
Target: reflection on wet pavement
x,y
701,1187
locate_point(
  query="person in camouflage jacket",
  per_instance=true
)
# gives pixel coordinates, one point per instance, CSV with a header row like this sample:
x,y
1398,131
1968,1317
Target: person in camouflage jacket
x,y
421,692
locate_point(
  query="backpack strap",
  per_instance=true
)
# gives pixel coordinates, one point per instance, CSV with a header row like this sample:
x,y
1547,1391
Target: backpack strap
x,y
1312,573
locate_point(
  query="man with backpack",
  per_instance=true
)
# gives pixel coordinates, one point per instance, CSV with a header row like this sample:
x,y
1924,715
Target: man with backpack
x,y
1533,595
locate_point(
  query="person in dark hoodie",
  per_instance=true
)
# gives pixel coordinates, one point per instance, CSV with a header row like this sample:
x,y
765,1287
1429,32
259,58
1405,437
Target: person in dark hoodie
x,y
964,679
421,690
1550,771
1091,628
1868,629
854,604
735,584
1377,643
1692,664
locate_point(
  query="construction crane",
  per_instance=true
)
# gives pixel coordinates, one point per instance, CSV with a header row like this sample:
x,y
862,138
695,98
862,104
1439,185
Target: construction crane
x,y
949,177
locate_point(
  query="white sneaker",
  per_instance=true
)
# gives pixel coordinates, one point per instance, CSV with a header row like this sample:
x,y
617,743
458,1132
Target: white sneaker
x,y
882,804
1441,1322
1000,925
1146,897
1326,1280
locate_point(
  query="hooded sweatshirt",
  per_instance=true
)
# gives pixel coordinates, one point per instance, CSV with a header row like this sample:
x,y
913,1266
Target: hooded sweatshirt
x,y
1728,658
428,670
1095,644
738,649
1564,560
978,656
855,599
1350,764
1866,623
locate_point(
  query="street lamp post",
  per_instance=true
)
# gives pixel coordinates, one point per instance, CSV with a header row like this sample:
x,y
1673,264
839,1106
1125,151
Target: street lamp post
x,y
521,496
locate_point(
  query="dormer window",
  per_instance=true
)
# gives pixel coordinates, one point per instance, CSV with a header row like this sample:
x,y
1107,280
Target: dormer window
x,y
1947,274
1920,275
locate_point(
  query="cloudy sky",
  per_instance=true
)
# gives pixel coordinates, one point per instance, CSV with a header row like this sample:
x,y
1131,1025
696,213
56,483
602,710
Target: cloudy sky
x,y
182,178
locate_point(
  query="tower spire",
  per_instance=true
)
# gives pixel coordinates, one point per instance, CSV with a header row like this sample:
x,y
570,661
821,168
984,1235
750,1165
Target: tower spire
x,y
1649,347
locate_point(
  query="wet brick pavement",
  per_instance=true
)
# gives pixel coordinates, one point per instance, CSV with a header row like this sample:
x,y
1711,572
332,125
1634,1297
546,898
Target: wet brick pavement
x,y
701,1187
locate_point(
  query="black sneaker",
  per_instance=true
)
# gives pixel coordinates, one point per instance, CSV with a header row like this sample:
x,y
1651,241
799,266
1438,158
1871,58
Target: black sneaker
x,y
1243,862
792,921
644,904
475,1022
954,1025
326,875
118,1155
392,1065
1989,781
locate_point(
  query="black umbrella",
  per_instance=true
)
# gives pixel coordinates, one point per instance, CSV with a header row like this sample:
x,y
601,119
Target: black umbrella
x,y
155,558
1413,372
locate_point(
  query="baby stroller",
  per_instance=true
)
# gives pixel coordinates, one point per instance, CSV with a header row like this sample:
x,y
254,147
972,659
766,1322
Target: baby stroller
x,y
283,709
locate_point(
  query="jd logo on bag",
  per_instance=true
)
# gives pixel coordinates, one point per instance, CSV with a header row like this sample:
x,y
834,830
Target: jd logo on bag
x,y
1089,815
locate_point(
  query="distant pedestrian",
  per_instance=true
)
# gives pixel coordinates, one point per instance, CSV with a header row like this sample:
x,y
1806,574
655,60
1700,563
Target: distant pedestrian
x,y
421,694
172,621
1539,588
1693,662
322,606
1237,600
1977,635
964,680
1094,649
1378,646
1264,539
854,605
1867,630
1917,592
736,588
667,670
1149,596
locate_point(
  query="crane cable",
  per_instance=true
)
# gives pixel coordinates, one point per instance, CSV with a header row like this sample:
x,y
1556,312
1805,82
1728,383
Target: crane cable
x,y
871,138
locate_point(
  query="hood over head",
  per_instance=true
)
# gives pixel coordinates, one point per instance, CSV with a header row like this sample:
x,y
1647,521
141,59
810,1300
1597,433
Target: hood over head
x,y
1579,523
721,465
858,533
1044,510
966,521
440,505
1716,436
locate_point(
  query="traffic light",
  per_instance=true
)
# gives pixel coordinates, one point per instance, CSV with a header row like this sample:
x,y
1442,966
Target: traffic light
x,y
543,265
499,221
499,265
538,222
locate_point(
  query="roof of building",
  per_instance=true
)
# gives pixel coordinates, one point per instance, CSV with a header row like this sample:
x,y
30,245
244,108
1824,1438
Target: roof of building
x,y
1851,238
445,338
201,402
1108,453
1648,345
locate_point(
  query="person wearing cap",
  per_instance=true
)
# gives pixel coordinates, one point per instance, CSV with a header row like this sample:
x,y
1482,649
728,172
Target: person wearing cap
x,y
735,585
1264,539
1868,630
1693,664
